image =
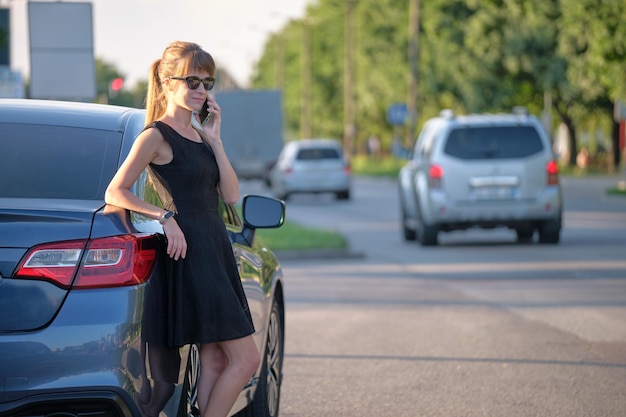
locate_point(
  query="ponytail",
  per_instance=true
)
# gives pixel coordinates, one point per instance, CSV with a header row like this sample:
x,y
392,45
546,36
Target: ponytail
x,y
155,100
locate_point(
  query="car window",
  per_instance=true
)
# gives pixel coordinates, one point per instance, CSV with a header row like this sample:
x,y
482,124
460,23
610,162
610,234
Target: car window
x,y
493,142
425,141
46,159
229,214
312,154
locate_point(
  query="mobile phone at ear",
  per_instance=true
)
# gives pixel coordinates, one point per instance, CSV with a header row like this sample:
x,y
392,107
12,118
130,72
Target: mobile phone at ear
x,y
204,113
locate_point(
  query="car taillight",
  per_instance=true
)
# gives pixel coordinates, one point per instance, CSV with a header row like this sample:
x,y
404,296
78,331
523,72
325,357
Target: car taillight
x,y
552,169
347,168
435,176
107,262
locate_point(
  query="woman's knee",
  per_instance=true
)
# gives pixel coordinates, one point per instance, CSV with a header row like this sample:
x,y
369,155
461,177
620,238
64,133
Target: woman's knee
x,y
213,358
254,360
251,360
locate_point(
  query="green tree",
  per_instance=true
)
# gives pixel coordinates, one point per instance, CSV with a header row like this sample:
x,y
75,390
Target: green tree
x,y
594,43
475,56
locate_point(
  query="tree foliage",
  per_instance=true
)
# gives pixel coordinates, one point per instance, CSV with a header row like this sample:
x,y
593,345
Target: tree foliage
x,y
475,56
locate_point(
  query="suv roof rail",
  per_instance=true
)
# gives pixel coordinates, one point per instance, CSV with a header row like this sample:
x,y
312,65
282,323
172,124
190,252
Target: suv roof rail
x,y
520,110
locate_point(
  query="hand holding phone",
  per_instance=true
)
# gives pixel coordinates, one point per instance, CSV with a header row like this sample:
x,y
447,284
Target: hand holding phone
x,y
204,113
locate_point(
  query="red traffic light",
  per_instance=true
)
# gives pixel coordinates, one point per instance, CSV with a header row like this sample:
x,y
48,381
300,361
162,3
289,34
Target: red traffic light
x,y
117,84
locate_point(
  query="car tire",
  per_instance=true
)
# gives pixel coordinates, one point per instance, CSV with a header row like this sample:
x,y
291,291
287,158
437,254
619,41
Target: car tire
x,y
343,195
550,231
525,234
188,406
427,235
266,399
408,234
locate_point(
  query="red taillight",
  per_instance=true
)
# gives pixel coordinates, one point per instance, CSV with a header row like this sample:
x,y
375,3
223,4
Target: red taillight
x,y
54,262
347,169
552,169
435,176
108,262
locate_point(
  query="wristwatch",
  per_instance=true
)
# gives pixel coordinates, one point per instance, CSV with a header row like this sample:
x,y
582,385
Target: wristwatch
x,y
166,216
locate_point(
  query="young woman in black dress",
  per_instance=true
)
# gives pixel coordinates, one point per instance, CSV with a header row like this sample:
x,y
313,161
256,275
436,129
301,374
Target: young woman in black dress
x,y
190,170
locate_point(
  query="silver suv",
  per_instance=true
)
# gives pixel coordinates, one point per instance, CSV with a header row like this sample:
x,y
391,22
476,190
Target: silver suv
x,y
487,171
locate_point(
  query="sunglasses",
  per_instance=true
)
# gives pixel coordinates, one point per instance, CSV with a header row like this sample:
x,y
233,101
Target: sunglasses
x,y
193,82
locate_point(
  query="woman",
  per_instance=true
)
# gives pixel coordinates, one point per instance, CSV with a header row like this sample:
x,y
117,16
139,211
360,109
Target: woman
x,y
189,168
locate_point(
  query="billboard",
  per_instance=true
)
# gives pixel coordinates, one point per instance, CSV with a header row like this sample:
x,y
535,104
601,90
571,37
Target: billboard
x,y
62,62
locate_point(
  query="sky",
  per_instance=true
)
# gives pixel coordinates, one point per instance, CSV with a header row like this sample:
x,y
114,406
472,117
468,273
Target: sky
x,y
131,34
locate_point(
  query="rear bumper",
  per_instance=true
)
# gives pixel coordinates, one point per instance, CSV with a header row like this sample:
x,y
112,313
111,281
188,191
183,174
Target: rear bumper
x,y
87,403
320,185
454,215
89,358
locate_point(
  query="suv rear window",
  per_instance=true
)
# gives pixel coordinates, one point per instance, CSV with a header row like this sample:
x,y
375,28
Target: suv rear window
x,y
312,154
493,142
56,162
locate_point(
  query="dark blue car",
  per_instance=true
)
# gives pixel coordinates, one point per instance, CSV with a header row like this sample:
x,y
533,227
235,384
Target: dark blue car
x,y
80,281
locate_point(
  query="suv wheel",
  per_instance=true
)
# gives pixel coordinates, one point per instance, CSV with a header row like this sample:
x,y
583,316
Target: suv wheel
x,y
550,231
407,233
525,234
427,234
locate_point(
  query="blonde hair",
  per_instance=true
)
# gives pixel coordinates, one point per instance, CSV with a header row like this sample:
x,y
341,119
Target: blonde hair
x,y
178,59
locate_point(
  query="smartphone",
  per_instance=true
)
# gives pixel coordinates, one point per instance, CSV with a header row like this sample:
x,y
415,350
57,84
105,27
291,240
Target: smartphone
x,y
204,113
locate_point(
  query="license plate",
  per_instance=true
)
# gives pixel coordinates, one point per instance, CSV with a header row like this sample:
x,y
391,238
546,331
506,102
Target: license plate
x,y
494,193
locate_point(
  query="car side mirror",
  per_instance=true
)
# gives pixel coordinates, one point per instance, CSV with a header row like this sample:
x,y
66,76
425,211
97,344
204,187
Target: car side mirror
x,y
260,212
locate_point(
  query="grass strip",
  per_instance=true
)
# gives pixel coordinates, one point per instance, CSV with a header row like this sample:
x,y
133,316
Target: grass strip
x,y
292,236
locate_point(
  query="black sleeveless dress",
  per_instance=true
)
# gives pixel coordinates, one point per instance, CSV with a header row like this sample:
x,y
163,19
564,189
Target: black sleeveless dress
x,y
204,296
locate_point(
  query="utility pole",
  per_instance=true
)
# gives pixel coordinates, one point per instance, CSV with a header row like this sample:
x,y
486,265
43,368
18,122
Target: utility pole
x,y
279,61
413,58
305,81
349,99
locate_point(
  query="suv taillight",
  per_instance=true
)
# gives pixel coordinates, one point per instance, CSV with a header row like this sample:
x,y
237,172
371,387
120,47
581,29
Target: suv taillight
x,y
552,169
435,176
107,262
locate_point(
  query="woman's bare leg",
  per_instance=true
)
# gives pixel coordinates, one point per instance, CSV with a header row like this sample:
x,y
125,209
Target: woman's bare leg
x,y
242,362
213,361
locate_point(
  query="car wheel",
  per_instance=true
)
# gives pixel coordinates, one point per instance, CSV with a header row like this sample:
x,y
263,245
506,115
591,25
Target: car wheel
x,y
408,234
266,399
343,195
550,231
189,400
524,234
427,234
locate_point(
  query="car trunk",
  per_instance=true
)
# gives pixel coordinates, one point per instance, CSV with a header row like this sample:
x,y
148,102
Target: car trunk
x,y
29,303
496,179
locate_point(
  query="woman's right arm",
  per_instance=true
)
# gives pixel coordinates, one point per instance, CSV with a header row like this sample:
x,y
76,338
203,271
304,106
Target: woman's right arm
x,y
148,147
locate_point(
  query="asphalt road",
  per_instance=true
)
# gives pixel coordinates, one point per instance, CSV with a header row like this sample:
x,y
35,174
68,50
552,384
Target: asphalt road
x,y
477,326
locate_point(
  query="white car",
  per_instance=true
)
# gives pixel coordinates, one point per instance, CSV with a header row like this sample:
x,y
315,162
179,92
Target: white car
x,y
311,166
487,171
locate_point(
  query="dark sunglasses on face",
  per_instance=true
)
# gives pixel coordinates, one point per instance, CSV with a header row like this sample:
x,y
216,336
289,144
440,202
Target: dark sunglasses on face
x,y
193,82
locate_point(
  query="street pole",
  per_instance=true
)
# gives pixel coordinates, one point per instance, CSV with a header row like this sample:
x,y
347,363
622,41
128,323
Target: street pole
x,y
413,58
349,99
305,82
